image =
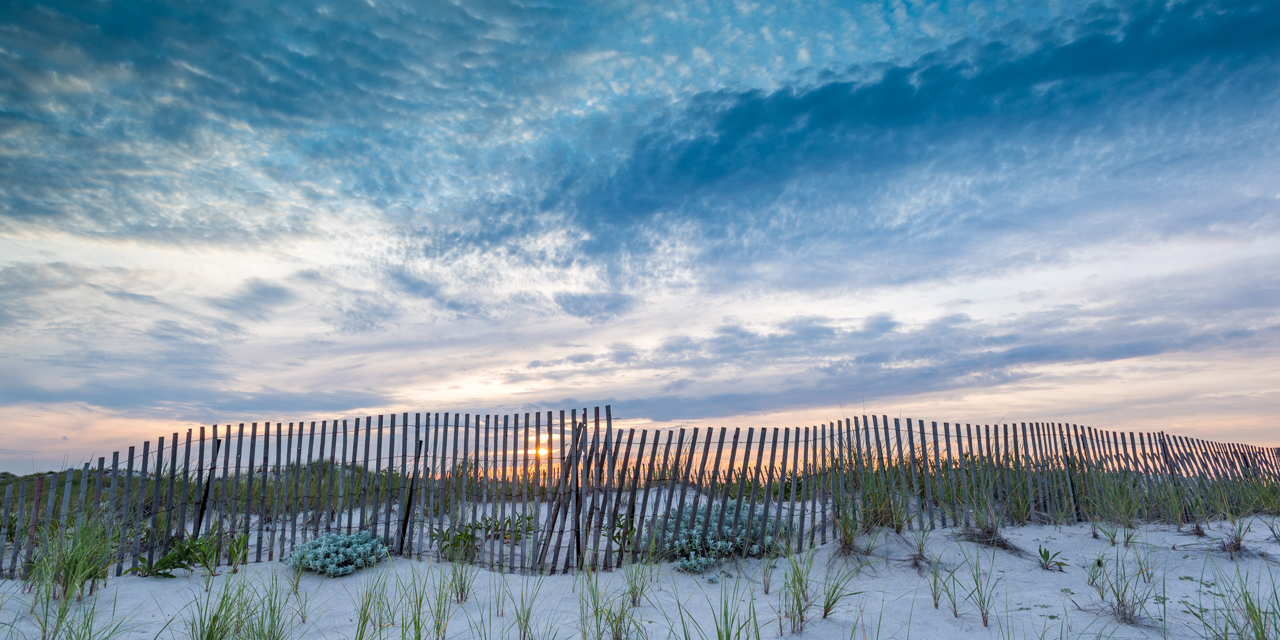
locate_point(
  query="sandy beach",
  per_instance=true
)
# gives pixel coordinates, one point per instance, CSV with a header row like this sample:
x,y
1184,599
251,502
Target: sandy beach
x,y
1177,583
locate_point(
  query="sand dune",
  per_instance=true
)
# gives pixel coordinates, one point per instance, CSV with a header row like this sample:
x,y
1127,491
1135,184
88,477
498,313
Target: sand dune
x,y
1169,575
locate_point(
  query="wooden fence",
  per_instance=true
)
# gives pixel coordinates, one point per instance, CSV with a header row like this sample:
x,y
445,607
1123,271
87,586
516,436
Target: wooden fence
x,y
547,493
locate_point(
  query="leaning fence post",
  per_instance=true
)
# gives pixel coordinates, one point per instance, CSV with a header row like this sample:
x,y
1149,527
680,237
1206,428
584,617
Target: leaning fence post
x,y
208,487
404,517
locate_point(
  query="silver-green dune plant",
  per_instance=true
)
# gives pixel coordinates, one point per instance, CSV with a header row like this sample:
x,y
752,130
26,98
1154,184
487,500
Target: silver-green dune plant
x,y
683,540
336,554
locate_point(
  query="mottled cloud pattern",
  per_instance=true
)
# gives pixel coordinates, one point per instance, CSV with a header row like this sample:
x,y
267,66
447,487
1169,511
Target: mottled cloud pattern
x,y
751,212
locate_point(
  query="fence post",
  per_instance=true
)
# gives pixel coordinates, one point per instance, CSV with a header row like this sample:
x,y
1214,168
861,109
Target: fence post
x,y
4,527
31,519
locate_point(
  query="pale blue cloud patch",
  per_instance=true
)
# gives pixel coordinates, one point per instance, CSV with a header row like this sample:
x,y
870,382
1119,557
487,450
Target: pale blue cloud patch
x,y
256,300
595,307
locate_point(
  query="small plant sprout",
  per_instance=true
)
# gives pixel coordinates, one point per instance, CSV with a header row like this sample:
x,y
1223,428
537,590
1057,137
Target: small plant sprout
x,y
1123,597
919,541
411,610
498,589
638,575
440,608
1242,608
372,609
238,551
935,580
295,576
983,592
1049,560
205,554
767,566
1233,541
1093,573
1109,531
869,543
221,616
1273,525
731,621
836,588
523,603
461,580
848,527
268,617
951,588
1130,535
1146,564
797,590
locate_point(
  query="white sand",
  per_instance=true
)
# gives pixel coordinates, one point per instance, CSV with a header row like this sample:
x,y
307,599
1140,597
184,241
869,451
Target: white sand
x,y
894,602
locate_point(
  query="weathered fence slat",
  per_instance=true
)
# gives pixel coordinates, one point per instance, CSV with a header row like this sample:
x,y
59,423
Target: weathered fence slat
x,y
5,532
135,524
19,520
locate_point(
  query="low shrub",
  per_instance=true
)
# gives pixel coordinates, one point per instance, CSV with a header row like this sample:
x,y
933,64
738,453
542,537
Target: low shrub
x,y
338,554
695,553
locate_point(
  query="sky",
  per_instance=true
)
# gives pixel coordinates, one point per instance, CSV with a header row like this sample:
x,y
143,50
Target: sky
x,y
699,213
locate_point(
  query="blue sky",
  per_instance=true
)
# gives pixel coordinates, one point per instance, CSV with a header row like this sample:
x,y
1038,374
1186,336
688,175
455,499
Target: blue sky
x,y
702,213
